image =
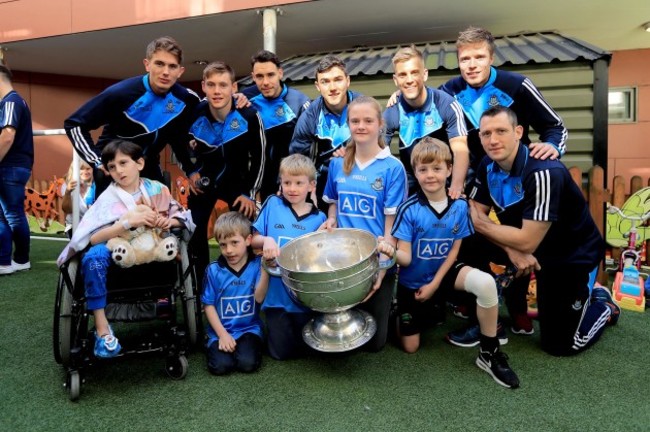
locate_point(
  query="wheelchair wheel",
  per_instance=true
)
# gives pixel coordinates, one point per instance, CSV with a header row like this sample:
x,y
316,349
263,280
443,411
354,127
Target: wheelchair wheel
x,y
191,313
63,317
73,384
176,367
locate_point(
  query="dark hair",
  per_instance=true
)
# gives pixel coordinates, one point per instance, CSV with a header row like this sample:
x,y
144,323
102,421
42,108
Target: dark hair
x,y
265,56
126,147
328,62
4,70
168,44
498,109
218,67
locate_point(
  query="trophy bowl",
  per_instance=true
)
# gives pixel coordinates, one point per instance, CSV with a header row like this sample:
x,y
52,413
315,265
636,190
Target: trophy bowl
x,y
331,272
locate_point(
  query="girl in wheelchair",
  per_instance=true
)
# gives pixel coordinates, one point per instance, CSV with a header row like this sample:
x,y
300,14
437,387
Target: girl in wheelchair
x,y
108,218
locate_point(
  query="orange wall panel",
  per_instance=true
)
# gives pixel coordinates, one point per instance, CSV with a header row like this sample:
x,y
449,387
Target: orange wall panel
x,y
30,19
629,144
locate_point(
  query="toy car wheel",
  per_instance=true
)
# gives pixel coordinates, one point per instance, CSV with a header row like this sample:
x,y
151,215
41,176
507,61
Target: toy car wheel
x,y
176,367
74,385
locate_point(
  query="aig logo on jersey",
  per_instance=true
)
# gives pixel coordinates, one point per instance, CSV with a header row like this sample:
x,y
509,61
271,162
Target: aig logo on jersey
x,y
429,249
237,307
355,204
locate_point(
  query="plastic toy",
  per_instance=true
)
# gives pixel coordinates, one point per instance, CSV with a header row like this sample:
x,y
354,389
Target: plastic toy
x,y
628,289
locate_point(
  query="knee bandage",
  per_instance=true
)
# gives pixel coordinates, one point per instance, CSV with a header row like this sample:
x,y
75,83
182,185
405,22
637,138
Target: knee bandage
x,y
482,285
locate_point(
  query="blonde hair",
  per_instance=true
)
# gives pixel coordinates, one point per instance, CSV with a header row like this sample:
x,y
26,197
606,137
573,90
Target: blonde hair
x,y
406,54
350,146
82,164
231,224
298,165
430,150
472,35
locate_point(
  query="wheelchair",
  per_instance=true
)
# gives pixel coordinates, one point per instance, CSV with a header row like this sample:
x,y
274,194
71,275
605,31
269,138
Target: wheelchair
x,y
135,294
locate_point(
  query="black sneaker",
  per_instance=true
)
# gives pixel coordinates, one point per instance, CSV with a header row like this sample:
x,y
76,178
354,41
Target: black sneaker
x,y
496,364
601,294
471,336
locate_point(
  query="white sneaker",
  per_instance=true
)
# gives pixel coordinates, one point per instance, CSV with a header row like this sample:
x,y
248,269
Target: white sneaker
x,y
6,270
20,267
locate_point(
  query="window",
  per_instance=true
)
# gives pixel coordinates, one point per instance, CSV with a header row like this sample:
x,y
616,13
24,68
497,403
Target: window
x,y
622,105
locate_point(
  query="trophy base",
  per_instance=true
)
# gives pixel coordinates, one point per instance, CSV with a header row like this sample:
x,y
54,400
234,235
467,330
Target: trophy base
x,y
340,331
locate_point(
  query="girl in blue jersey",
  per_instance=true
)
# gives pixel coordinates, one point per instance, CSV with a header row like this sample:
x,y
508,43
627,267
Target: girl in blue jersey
x,y
234,285
363,191
429,228
281,220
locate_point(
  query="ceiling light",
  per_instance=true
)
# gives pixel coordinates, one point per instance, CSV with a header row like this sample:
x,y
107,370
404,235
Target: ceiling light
x,y
200,62
646,26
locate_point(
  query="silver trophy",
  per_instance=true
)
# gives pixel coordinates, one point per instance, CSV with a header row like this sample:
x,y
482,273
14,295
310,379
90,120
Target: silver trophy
x,y
331,272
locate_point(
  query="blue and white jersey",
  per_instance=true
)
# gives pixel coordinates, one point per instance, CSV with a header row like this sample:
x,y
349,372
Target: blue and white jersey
x,y
130,110
14,113
277,219
230,153
319,132
369,193
511,90
431,235
543,191
233,296
279,116
440,117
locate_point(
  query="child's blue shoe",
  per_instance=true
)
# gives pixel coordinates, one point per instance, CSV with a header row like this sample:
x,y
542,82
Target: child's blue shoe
x,y
107,346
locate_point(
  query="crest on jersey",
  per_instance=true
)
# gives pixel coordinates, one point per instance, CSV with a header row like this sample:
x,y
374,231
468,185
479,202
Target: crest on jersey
x,y
170,106
456,229
494,101
518,188
428,121
234,125
279,111
378,184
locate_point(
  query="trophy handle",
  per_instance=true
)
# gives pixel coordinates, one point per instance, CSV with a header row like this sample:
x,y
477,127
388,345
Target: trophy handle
x,y
273,271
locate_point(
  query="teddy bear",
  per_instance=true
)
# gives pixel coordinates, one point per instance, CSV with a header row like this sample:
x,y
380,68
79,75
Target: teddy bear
x,y
141,245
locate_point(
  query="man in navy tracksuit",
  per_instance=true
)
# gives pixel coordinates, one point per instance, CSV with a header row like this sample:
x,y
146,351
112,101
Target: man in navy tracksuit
x,y
280,107
323,128
421,111
152,111
481,86
545,227
230,149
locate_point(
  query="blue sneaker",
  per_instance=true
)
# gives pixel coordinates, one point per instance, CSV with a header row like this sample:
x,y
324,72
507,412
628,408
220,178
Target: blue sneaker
x,y
471,336
107,346
602,295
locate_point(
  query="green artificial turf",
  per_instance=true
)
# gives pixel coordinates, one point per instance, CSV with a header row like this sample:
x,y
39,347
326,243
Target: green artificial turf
x,y
438,388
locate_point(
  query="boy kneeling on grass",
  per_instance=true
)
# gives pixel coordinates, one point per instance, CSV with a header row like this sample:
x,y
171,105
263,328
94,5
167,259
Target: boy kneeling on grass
x,y
233,287
429,227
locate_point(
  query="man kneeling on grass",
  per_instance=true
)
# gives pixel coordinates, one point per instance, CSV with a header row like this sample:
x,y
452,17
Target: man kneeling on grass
x,y
430,227
545,227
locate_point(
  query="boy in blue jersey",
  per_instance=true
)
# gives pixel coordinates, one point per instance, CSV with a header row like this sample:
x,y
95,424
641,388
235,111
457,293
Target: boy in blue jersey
x,y
230,155
234,286
429,229
421,111
151,110
545,227
280,107
481,86
322,131
281,220
16,160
